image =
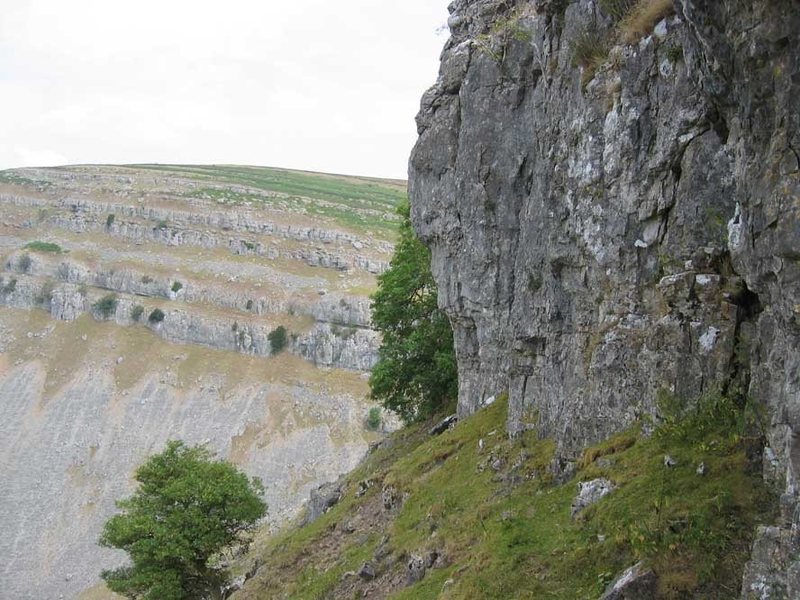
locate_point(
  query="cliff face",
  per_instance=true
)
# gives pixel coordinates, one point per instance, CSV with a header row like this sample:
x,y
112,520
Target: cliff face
x,y
602,238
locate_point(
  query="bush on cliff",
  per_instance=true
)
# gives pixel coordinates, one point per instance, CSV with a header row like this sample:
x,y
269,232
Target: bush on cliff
x,y
278,339
416,372
188,508
106,306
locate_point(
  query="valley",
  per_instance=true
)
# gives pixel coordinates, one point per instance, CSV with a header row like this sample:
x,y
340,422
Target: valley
x,y
219,305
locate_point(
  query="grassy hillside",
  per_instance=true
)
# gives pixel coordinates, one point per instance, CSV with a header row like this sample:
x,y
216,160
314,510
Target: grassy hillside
x,y
488,514
357,202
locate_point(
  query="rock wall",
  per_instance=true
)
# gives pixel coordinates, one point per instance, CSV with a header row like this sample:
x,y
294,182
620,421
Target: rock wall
x,y
600,237
326,343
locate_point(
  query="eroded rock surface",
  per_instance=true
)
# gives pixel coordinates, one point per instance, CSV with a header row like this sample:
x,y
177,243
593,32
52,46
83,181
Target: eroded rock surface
x,y
600,238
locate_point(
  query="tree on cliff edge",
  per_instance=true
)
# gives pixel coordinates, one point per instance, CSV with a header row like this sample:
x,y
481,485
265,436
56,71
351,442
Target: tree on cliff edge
x,y
416,372
188,508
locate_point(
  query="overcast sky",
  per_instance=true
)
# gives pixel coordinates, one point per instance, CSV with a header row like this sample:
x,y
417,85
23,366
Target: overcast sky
x,y
310,84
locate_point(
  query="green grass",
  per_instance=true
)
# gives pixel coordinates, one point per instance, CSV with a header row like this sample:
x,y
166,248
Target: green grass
x,y
10,176
358,203
508,533
50,247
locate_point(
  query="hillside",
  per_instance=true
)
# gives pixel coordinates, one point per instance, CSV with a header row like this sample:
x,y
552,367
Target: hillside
x,y
473,514
137,305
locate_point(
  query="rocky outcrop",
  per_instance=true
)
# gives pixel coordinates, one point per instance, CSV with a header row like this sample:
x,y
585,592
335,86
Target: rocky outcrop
x,y
335,308
603,237
323,344
635,583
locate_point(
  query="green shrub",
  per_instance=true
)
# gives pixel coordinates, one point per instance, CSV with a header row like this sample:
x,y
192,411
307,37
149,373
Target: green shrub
x,y
110,220
156,316
249,305
161,225
188,509
146,279
278,339
24,263
44,247
137,312
106,306
177,286
374,418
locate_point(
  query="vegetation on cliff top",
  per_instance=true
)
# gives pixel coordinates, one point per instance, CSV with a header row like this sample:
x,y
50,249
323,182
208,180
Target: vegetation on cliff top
x,y
488,515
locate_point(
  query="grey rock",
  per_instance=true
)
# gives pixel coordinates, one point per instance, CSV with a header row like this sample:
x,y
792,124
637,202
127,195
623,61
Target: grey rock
x,y
635,583
532,191
590,492
415,570
444,425
773,565
390,497
669,462
367,572
322,499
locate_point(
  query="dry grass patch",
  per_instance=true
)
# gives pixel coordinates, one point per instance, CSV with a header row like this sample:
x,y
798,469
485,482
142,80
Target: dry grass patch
x,y
641,20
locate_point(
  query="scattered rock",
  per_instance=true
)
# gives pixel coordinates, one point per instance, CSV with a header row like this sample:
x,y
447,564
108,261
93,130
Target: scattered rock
x,y
366,572
390,497
415,570
589,492
635,583
323,499
444,425
669,462
362,487
702,469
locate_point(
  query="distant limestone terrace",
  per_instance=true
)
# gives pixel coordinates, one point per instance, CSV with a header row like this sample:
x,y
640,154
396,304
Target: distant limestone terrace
x,y
226,262
139,304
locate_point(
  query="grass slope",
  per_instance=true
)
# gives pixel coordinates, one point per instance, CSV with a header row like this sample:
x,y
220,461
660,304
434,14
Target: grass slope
x,y
501,527
357,202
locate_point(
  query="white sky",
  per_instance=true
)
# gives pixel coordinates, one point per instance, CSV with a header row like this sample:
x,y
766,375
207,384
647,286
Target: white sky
x,y
321,85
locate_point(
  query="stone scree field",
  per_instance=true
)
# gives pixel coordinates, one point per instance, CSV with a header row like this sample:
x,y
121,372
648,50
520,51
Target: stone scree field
x,y
136,306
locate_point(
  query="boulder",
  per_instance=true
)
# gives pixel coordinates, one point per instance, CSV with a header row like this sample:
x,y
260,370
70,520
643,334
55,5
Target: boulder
x,y
590,492
635,583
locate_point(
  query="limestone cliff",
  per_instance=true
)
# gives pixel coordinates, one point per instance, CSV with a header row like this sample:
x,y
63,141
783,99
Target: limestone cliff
x,y
603,233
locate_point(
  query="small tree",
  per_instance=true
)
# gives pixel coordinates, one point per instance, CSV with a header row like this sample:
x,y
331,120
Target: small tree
x,y
416,373
106,306
277,339
374,418
156,316
187,510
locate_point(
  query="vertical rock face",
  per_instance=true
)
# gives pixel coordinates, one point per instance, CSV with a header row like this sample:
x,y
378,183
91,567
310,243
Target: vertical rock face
x,y
598,238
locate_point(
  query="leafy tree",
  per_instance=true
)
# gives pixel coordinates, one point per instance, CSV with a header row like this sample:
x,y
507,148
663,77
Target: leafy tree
x,y
416,373
278,339
156,316
188,508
